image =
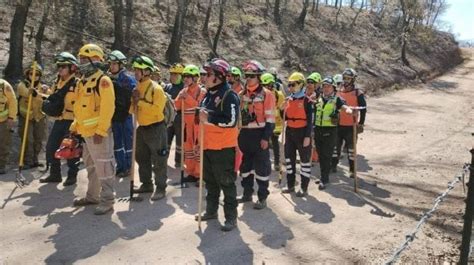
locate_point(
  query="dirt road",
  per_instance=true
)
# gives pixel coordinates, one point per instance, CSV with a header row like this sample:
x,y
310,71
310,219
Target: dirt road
x,y
416,140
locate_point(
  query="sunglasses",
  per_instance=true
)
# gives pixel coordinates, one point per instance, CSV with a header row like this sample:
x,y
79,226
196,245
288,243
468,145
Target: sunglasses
x,y
250,75
62,66
347,78
186,75
311,82
293,84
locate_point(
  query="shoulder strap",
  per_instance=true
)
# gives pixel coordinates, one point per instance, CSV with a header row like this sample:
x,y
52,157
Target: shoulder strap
x,y
230,90
96,88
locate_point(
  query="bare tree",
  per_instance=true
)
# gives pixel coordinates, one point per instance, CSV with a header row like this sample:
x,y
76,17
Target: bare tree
x,y
128,21
78,22
338,12
411,11
173,51
117,7
14,68
357,14
40,33
219,27
205,27
302,16
276,12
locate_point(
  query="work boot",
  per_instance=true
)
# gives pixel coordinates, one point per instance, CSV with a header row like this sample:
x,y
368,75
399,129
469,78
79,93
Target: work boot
x,y
244,199
103,209
120,174
36,164
229,225
190,178
3,171
301,193
83,202
71,180
158,195
206,216
322,186
334,169
144,188
277,167
51,179
351,175
288,190
260,204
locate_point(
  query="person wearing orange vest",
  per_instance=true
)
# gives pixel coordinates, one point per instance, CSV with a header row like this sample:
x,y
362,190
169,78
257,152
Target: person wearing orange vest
x,y
354,98
325,131
187,101
298,117
37,123
220,113
8,113
67,67
234,79
258,122
93,111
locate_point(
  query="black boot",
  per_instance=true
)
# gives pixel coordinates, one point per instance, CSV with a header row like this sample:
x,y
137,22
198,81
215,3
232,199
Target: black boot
x,y
71,180
144,188
51,179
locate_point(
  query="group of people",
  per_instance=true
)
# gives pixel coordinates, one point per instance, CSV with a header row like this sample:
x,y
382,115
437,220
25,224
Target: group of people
x,y
242,112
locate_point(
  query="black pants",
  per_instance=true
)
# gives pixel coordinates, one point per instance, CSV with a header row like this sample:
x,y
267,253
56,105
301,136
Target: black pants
x,y
276,148
175,130
58,132
219,175
344,134
294,142
325,139
255,163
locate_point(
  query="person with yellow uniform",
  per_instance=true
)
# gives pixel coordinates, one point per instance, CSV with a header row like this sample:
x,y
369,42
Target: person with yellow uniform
x,y
8,112
37,119
93,111
267,81
148,104
65,85
187,101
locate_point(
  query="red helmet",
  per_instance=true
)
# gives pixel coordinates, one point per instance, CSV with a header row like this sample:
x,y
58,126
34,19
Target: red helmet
x,y
253,67
218,65
70,148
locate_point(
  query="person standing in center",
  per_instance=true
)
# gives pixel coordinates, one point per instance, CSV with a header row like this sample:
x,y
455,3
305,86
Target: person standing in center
x,y
258,122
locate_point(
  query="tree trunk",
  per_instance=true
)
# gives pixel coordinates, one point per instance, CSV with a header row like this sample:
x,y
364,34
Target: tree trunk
x,y
352,4
14,68
173,51
219,27
302,17
267,6
118,25
276,12
78,21
335,4
205,27
40,34
338,12
128,21
357,14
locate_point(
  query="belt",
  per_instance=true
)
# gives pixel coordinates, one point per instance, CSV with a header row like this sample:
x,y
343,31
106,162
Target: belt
x,y
152,125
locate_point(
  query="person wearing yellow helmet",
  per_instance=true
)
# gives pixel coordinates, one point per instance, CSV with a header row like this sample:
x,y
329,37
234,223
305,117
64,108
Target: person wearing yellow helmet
x,y
37,119
156,76
173,88
64,90
234,79
122,125
8,113
267,80
313,83
298,117
187,102
326,121
148,106
93,112
258,123
354,97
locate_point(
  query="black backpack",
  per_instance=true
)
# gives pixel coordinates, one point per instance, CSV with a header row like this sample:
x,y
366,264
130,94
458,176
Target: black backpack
x,y
53,106
123,100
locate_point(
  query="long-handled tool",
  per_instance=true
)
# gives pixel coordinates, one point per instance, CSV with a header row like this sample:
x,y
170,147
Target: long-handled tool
x,y
20,179
132,169
354,141
283,140
201,170
182,183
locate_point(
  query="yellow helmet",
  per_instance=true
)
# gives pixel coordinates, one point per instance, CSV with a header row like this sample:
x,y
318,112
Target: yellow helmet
x,y
177,68
157,70
296,77
91,50
39,69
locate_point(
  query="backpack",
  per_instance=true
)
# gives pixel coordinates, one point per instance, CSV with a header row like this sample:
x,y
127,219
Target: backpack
x,y
53,106
169,111
123,100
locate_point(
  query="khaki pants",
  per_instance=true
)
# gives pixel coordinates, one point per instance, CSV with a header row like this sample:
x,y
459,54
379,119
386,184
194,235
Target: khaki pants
x,y
6,136
34,140
100,163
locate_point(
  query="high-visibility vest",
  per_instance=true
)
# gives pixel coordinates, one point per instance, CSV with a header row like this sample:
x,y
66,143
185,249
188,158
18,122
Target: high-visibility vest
x,y
325,112
351,100
295,113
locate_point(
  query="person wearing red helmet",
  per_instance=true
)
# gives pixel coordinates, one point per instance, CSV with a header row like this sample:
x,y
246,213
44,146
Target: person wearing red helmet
x,y
219,113
258,121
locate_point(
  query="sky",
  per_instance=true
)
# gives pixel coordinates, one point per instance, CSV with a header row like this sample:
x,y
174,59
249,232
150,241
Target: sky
x,y
460,16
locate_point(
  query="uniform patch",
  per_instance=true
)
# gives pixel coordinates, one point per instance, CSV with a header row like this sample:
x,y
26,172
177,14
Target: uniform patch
x,y
217,100
104,84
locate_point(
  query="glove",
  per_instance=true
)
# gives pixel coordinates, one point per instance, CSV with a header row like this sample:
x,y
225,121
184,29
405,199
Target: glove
x,y
360,128
33,92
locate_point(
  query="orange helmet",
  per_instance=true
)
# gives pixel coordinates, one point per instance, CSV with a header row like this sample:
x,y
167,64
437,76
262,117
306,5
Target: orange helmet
x,y
70,148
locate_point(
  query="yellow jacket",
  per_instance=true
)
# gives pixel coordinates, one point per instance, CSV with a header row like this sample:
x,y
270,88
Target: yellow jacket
x,y
8,102
279,104
36,103
69,99
151,104
93,110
